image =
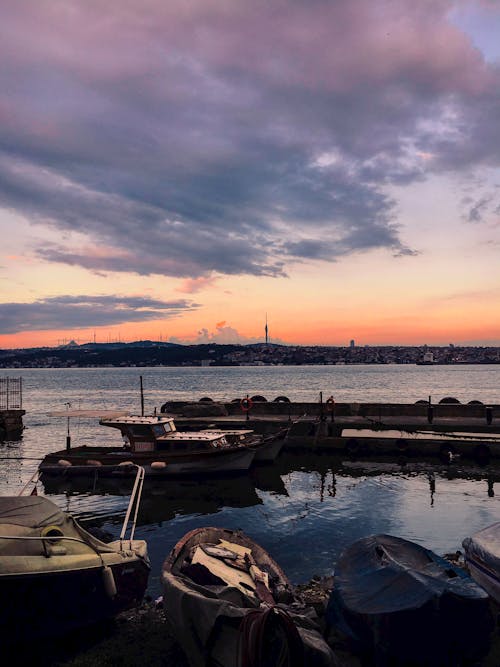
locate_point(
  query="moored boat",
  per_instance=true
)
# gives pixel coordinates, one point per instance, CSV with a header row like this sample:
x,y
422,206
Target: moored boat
x,y
55,576
482,555
154,443
403,603
230,605
267,448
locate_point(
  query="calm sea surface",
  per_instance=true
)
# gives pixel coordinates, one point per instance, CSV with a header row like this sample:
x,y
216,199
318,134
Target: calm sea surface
x,y
304,509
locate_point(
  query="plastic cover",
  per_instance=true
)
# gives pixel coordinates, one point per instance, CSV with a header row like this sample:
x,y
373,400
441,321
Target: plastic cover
x,y
383,574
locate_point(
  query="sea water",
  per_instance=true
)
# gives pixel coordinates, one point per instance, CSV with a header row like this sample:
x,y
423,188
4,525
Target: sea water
x,y
304,509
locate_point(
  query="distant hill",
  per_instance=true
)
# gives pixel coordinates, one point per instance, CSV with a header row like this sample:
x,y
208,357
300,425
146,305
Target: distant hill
x,y
138,353
159,353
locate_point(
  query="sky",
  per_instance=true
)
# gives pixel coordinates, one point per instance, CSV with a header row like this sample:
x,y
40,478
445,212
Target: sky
x,y
176,170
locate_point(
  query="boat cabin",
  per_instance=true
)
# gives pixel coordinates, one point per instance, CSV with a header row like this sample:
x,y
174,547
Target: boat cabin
x,y
158,433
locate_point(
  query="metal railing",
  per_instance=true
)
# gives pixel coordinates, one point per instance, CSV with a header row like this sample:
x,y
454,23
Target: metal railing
x,y
11,393
132,509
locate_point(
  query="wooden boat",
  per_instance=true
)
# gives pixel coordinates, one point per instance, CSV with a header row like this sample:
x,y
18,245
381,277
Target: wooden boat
x,y
482,555
154,443
56,577
403,602
267,448
230,605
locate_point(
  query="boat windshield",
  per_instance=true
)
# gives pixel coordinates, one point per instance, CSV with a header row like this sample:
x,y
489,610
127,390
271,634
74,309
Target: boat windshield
x,y
161,429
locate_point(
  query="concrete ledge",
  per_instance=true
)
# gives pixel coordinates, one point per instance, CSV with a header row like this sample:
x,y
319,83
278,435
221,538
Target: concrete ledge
x,y
374,410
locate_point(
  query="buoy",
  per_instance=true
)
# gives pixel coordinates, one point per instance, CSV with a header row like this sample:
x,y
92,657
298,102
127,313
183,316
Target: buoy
x,y
447,453
93,462
158,465
64,463
246,404
126,463
108,581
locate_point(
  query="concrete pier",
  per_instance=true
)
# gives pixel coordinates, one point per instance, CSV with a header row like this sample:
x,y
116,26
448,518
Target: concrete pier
x,y
445,430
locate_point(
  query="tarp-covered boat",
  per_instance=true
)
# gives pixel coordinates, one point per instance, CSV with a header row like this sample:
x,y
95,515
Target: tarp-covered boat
x,y
55,576
231,605
401,601
482,554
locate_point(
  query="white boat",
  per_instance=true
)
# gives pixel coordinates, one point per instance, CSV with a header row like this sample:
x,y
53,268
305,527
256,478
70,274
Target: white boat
x,y
482,555
154,443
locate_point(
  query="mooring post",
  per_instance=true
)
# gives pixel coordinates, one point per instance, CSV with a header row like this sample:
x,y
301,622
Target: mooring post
x,y
489,414
430,412
68,436
248,411
321,406
142,397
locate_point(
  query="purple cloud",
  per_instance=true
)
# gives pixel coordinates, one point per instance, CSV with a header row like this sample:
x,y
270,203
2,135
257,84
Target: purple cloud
x,y
185,139
82,311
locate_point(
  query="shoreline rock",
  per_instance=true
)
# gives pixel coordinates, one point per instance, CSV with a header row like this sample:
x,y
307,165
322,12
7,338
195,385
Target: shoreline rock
x,y
144,636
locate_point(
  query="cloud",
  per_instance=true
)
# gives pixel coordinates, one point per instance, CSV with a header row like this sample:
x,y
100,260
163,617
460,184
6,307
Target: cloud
x,y
224,334
192,285
84,312
238,138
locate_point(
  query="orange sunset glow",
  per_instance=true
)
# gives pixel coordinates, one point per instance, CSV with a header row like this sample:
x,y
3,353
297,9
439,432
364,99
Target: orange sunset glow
x,y
332,165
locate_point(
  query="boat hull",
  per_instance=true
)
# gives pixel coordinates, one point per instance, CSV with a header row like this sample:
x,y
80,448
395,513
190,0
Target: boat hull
x,y
49,604
486,578
119,463
482,554
268,451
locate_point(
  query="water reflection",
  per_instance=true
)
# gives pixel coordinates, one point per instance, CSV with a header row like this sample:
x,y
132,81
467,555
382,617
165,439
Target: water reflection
x,y
304,509
161,500
489,474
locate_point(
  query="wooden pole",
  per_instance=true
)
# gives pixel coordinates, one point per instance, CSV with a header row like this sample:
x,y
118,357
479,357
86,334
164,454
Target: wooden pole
x,y
142,397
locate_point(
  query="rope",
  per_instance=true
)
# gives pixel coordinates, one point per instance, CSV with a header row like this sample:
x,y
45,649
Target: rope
x,y
258,630
20,458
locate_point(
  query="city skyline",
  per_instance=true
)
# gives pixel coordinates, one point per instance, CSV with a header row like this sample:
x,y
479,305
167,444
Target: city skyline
x,y
186,170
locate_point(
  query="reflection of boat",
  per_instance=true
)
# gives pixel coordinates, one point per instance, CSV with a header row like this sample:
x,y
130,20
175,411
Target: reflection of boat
x,y
55,576
482,554
221,592
268,478
405,602
162,500
154,443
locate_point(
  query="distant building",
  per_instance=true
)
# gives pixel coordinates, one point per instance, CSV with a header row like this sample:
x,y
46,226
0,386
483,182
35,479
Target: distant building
x,y
428,358
352,343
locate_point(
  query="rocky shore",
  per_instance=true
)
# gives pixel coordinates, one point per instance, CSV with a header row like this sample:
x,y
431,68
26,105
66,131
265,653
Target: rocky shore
x,y
143,636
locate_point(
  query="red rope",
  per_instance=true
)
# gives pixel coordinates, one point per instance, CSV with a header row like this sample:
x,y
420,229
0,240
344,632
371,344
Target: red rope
x,y
258,627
